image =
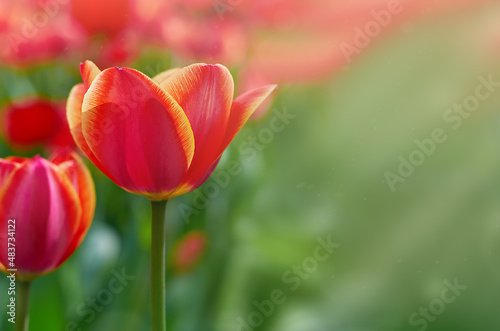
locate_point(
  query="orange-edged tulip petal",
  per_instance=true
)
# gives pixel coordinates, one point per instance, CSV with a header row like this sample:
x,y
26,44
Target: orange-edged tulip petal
x,y
206,176
16,159
163,76
72,166
139,133
89,72
41,200
241,110
74,115
6,168
205,93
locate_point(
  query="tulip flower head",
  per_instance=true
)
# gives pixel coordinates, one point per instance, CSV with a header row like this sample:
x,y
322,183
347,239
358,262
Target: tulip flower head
x,y
159,137
51,204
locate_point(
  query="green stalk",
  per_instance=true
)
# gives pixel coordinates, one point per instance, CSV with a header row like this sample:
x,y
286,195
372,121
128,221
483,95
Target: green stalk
x,y
158,266
23,303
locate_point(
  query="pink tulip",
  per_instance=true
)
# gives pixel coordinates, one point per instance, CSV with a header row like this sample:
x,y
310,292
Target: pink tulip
x,y
51,204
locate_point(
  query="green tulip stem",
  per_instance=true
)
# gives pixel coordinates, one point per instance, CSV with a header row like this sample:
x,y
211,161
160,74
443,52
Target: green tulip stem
x,y
23,303
158,266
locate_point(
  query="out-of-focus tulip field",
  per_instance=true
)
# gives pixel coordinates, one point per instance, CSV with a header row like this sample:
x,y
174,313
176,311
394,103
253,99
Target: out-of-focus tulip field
x,y
362,194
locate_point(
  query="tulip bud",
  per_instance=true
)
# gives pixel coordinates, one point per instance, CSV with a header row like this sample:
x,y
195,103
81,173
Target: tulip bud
x,y
46,208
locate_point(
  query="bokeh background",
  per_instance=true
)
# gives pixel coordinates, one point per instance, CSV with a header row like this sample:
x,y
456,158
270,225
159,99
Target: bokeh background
x,y
322,174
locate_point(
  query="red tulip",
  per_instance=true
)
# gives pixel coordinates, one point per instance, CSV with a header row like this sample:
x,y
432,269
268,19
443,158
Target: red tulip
x,y
52,203
36,122
159,137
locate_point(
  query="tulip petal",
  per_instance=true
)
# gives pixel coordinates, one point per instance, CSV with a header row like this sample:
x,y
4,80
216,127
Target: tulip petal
x,y
72,166
89,72
163,76
205,92
16,159
6,169
74,115
207,174
241,110
43,226
138,132
186,188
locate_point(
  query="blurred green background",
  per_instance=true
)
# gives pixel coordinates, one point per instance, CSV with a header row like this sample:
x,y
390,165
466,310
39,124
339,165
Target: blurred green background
x,y
322,176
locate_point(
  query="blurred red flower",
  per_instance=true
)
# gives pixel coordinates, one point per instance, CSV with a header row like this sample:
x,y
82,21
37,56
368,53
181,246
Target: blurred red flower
x,y
188,251
108,17
35,122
